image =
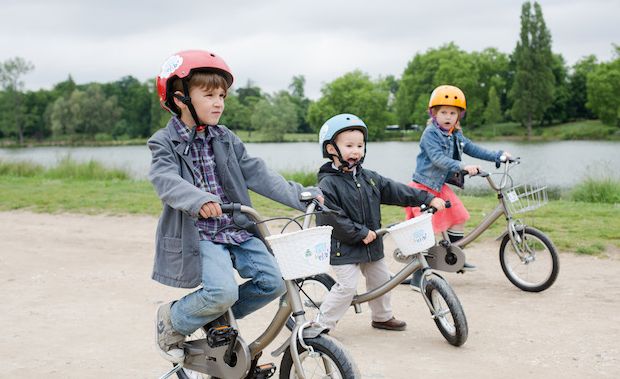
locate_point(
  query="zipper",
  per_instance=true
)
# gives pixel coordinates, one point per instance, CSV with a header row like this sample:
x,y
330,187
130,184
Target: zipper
x,y
359,190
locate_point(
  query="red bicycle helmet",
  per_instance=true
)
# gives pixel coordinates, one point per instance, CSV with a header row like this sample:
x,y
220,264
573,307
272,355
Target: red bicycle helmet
x,y
181,65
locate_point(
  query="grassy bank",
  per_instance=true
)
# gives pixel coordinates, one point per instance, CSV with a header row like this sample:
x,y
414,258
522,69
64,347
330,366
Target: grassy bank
x,y
512,131
577,226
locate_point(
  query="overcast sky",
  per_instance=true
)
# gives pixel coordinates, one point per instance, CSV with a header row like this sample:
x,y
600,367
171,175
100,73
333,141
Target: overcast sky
x,y
270,41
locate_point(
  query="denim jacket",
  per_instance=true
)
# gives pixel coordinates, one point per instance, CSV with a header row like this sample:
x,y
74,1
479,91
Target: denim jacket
x,y
435,162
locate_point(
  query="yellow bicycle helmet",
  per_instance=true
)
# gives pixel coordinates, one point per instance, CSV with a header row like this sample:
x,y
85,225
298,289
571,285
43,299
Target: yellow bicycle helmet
x,y
447,95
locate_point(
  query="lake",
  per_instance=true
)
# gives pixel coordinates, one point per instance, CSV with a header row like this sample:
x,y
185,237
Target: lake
x,y
561,163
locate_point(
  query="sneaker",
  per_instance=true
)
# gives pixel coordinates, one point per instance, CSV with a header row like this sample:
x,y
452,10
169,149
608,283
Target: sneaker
x,y
391,324
416,278
469,267
168,340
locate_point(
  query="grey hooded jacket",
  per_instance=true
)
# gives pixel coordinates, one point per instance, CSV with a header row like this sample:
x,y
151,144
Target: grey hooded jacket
x,y
177,256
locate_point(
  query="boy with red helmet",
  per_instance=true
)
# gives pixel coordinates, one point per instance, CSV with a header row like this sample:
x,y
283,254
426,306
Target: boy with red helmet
x,y
196,166
439,162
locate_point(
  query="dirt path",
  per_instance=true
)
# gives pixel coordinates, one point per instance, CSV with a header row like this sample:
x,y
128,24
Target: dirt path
x,y
77,301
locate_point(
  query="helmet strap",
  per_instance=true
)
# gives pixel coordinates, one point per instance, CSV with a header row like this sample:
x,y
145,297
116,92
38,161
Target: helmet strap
x,y
187,100
344,164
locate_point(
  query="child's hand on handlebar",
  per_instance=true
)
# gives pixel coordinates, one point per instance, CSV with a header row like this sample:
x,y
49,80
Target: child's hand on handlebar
x,y
210,209
370,237
472,169
438,203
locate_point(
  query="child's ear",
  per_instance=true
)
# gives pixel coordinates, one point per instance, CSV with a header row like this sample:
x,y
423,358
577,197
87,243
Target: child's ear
x,y
330,149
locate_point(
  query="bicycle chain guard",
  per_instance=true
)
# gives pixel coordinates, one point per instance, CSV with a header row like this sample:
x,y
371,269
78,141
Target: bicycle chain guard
x,y
450,258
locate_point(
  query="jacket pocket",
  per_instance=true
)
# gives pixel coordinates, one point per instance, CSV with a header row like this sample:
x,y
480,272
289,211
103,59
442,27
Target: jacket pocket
x,y
172,245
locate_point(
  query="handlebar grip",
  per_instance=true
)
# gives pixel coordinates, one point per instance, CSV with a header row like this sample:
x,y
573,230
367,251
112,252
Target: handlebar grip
x,y
432,210
230,208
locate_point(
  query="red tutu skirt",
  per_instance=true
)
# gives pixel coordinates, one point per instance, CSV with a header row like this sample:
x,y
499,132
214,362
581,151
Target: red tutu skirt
x,y
443,220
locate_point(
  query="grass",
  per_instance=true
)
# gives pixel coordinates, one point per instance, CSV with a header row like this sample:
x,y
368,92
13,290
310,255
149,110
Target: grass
x,y
605,190
583,227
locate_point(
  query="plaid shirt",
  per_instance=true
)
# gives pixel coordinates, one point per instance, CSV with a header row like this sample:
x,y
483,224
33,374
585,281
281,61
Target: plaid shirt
x,y
205,178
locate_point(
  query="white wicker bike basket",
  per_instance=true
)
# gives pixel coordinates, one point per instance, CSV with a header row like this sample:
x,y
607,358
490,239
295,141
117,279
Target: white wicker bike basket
x,y
302,253
414,235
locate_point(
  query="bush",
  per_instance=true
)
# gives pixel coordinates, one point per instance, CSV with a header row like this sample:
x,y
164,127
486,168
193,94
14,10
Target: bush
x,y
606,190
25,169
66,168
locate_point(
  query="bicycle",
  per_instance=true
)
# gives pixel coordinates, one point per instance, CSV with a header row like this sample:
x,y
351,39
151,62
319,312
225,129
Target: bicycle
x,y
442,302
217,350
527,256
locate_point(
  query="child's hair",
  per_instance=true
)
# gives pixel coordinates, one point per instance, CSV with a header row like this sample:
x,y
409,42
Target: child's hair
x,y
203,79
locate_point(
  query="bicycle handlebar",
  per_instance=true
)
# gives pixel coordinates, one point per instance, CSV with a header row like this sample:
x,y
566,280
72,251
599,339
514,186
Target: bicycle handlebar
x,y
432,210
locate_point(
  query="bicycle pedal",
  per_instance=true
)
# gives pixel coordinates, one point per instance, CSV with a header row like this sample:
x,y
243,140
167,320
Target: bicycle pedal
x,y
264,371
221,335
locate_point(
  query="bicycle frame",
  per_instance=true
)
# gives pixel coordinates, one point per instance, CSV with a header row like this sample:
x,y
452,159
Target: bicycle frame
x,y
500,209
420,262
289,303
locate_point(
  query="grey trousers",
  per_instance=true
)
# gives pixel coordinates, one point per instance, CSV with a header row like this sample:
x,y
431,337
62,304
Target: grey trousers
x,y
338,300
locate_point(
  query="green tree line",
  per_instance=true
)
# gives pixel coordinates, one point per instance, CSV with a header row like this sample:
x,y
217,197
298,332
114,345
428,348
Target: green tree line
x,y
531,86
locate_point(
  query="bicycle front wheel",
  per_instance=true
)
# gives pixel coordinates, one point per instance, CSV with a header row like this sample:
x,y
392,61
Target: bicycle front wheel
x,y
328,360
532,266
447,311
313,290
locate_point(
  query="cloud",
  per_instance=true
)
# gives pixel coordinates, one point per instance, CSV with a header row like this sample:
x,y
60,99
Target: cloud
x,y
269,41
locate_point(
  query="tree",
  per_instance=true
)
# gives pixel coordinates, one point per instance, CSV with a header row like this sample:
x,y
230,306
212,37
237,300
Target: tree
x,y
577,88
275,116
11,72
353,93
248,96
61,117
134,101
301,102
533,86
493,70
558,111
493,112
447,65
604,91
86,112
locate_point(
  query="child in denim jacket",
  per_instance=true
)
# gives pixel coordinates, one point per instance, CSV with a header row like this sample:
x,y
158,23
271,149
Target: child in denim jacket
x,y
439,162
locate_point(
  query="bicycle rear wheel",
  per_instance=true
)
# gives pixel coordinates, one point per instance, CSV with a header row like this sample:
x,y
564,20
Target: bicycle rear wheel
x,y
329,360
447,311
313,290
534,265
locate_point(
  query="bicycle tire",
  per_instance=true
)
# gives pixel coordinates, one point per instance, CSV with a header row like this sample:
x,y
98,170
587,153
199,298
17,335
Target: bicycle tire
x,y
450,317
331,353
522,274
316,287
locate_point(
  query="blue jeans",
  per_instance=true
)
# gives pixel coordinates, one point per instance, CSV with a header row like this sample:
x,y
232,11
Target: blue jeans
x,y
219,289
